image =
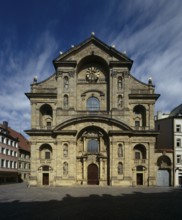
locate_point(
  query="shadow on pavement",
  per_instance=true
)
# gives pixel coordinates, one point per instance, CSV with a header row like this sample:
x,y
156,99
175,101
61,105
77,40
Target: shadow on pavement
x,y
147,206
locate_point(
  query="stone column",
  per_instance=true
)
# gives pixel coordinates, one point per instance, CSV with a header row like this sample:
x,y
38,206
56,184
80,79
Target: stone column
x,y
84,172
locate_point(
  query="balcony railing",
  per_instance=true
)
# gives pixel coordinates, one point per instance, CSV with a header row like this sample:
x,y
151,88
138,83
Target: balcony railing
x,y
45,161
140,161
140,128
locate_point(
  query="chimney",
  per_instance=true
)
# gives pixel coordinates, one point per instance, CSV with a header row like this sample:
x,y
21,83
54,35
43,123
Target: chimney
x,y
5,124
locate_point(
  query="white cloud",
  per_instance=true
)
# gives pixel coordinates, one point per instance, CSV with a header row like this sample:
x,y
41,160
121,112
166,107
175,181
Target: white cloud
x,y
154,43
149,31
18,69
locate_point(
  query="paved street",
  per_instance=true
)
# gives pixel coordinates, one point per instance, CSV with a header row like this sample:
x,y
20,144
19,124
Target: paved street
x,y
17,201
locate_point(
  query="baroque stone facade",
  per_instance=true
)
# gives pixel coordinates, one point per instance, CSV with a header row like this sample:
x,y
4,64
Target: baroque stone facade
x,y
92,122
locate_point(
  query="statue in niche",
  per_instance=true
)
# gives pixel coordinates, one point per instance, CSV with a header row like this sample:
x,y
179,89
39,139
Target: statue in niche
x,y
120,150
103,167
65,150
65,168
120,101
66,82
120,82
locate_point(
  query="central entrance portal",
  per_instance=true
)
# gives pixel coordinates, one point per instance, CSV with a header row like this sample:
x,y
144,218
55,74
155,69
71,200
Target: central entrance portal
x,y
93,174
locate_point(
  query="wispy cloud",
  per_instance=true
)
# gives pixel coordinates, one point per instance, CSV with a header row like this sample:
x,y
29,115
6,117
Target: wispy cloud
x,y
154,43
17,71
149,31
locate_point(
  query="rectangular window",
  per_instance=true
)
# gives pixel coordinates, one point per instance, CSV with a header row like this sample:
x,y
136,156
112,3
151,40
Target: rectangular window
x,y
2,162
48,125
178,128
178,142
137,123
7,164
11,164
47,155
178,158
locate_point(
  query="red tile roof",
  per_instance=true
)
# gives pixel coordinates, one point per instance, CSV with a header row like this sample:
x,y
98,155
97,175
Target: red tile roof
x,y
23,143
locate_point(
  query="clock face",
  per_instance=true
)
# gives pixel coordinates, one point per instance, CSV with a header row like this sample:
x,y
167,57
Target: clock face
x,y
92,74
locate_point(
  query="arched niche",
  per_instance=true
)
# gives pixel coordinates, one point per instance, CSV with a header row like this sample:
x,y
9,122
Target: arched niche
x,y
46,116
163,161
139,116
45,152
139,152
93,64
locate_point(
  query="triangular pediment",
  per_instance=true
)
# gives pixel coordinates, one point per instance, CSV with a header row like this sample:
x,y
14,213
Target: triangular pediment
x,y
92,46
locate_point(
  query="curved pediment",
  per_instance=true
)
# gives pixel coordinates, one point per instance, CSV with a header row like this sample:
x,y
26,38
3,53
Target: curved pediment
x,y
93,120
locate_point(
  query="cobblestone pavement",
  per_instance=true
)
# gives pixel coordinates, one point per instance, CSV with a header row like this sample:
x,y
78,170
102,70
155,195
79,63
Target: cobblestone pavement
x,y
17,201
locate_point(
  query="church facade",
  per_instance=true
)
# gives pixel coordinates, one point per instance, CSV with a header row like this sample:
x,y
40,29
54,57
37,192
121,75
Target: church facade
x,y
92,122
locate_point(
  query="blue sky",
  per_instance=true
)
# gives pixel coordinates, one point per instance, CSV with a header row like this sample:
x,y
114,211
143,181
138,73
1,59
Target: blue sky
x,y
32,33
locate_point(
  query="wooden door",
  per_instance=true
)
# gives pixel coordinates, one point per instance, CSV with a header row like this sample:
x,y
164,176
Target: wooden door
x,y
93,174
139,178
45,180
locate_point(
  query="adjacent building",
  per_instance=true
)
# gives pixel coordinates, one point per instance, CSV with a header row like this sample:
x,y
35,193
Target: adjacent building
x,y
23,157
169,142
14,155
8,155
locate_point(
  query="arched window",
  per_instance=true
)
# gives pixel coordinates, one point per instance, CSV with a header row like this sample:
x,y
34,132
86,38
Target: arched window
x,y
66,82
65,168
93,146
93,104
120,168
65,101
120,82
120,150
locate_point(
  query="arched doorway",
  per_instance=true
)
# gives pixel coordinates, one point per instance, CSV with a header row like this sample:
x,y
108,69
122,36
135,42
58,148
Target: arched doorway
x,y
164,171
93,174
162,177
